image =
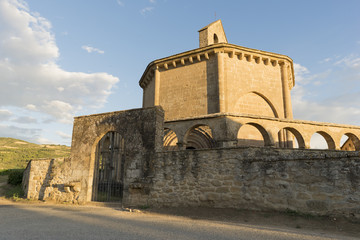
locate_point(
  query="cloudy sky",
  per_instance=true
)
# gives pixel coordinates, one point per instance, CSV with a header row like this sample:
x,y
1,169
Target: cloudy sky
x,y
63,58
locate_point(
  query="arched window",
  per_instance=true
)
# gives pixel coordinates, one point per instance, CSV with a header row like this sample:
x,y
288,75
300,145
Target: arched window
x,y
322,140
216,40
199,137
350,142
253,134
170,140
249,135
290,138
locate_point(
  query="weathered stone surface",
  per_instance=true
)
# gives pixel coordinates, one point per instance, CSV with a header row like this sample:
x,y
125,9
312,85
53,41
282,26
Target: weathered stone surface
x,y
203,109
252,187
71,179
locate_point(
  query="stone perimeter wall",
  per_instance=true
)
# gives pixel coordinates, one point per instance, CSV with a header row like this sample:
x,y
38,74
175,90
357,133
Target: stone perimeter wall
x,y
309,181
46,179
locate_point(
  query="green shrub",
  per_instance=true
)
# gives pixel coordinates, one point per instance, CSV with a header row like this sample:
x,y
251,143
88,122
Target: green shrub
x,y
4,172
15,193
15,177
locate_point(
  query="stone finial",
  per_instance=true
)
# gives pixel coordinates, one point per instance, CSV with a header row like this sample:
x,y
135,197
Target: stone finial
x,y
211,34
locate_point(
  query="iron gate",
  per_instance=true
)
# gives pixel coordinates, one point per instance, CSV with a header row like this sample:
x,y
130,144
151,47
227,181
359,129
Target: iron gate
x,y
108,170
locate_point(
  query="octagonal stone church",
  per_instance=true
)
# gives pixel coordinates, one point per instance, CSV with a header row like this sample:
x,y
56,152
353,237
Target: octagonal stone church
x,y
216,129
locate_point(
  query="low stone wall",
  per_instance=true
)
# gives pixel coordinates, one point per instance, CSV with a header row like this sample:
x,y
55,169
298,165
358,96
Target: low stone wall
x,y
36,177
48,179
309,181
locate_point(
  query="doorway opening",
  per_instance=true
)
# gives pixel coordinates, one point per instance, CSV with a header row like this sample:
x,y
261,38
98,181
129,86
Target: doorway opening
x,y
109,169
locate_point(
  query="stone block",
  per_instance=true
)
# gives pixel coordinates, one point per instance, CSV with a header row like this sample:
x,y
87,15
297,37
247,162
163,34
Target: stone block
x,y
319,196
222,189
212,196
303,196
317,205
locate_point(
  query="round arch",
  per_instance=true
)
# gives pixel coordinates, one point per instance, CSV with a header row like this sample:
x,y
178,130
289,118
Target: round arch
x,y
199,136
329,140
352,143
258,99
108,173
265,135
268,102
170,140
299,138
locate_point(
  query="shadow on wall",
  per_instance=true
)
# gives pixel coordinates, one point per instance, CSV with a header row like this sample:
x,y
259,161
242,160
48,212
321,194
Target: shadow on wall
x,y
47,180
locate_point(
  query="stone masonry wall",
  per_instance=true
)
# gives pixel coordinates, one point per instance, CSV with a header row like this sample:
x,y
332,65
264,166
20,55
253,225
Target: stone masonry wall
x,y
253,78
48,179
310,181
70,180
189,90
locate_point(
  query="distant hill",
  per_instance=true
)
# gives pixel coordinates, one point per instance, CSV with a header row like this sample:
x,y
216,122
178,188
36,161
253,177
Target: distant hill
x,y
15,153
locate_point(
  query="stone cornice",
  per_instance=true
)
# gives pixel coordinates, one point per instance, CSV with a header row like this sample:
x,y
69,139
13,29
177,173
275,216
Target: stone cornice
x,y
199,54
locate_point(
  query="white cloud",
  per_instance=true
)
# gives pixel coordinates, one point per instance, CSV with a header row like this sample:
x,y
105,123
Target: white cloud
x,y
90,49
146,10
300,72
30,76
351,61
336,103
63,135
326,60
25,120
27,134
31,107
152,1
340,108
42,140
121,3
5,114
61,110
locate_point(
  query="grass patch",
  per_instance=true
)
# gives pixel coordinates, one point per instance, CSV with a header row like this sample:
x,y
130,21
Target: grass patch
x,y
5,172
3,178
14,192
15,153
15,176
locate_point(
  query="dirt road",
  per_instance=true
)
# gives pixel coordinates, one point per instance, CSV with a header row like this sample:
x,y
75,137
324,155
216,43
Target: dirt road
x,y
50,221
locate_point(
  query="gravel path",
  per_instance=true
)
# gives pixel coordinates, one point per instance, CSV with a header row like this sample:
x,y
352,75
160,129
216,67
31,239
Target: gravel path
x,y
46,221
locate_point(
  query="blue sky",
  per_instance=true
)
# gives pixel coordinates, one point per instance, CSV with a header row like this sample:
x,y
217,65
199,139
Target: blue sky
x,y
62,58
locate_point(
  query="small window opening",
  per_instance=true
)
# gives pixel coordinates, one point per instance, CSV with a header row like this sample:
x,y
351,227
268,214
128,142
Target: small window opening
x,y
216,40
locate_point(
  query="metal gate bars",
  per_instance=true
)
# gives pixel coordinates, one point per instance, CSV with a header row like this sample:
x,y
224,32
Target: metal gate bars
x,y
109,169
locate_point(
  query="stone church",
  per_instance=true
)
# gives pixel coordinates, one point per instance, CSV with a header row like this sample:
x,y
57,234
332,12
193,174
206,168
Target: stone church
x,y
219,78
216,130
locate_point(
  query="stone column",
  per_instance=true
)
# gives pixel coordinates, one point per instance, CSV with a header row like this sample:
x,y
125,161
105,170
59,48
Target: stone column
x,y
286,100
157,86
286,90
221,82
